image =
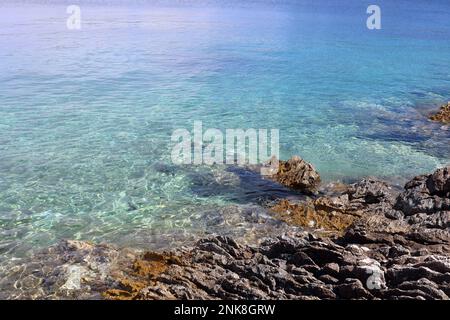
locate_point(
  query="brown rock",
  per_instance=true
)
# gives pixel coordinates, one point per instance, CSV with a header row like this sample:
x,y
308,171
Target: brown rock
x,y
443,115
352,289
327,214
297,174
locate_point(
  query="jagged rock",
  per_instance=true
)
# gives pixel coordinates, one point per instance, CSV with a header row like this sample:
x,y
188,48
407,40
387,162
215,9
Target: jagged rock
x,y
331,269
399,274
301,269
297,174
426,286
370,191
398,251
372,196
368,212
426,194
328,279
443,115
295,265
439,182
352,289
439,220
322,255
393,214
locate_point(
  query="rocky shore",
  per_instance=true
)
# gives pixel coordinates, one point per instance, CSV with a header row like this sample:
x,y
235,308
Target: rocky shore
x,y
366,240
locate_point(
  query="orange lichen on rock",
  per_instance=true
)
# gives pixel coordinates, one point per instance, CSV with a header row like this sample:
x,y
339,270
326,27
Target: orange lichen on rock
x,y
443,115
128,289
144,271
151,265
322,213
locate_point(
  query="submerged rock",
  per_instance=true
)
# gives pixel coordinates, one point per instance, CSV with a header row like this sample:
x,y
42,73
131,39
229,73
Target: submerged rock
x,y
69,270
443,115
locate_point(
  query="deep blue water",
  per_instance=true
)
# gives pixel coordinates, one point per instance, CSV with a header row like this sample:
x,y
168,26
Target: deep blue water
x,y
86,115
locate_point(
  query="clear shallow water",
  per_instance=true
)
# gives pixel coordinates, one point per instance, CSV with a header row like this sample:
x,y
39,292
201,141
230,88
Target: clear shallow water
x,y
86,116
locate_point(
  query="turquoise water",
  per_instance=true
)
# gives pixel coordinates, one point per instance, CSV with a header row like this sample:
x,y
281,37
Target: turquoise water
x,y
86,115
